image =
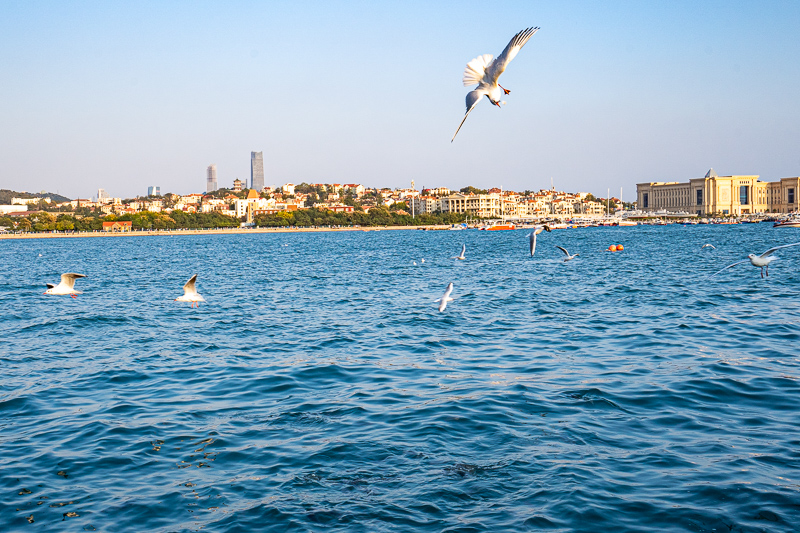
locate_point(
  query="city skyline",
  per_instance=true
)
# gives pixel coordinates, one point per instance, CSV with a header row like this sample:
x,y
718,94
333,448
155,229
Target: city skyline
x,y
603,96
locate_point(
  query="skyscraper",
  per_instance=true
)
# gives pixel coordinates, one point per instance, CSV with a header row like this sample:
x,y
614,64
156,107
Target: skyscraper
x,y
154,190
211,178
257,170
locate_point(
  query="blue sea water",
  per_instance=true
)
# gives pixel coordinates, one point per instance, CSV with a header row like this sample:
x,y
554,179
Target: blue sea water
x,y
320,389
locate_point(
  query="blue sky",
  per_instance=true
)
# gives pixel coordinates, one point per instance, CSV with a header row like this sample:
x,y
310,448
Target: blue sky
x,y
122,95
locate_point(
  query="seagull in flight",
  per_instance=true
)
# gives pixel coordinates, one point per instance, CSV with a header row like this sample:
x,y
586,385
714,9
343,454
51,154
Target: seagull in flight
x,y
532,238
485,72
566,253
762,261
445,298
67,285
709,246
463,249
190,293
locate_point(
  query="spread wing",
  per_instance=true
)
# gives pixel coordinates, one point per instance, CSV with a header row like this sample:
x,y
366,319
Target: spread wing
x,y
189,288
69,278
475,69
532,238
771,250
473,97
499,65
563,250
729,266
463,250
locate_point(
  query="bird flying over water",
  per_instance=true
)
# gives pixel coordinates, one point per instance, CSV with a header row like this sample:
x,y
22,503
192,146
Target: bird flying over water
x,y
485,72
762,261
190,293
463,249
532,238
445,298
709,246
566,253
67,285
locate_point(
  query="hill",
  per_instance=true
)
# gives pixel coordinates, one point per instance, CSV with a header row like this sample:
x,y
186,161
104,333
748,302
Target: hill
x,y
6,195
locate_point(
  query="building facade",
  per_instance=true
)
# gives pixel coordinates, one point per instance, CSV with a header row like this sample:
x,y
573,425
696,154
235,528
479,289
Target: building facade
x,y
257,170
153,191
720,195
211,178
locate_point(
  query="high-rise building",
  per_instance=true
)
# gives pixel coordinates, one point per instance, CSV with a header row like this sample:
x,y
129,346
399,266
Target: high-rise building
x,y
211,178
153,191
101,195
257,170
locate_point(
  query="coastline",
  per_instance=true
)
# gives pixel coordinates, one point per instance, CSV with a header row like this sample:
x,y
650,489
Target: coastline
x,y
215,231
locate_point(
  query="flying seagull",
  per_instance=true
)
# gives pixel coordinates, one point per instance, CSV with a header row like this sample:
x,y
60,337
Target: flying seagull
x,y
762,260
445,298
566,253
709,246
67,285
485,72
463,249
190,293
532,238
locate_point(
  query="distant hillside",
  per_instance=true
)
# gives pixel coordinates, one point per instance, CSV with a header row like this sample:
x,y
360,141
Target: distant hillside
x,y
6,196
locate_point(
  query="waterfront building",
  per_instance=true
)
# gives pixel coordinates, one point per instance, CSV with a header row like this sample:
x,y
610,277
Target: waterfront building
x,y
725,195
154,191
481,205
257,170
211,178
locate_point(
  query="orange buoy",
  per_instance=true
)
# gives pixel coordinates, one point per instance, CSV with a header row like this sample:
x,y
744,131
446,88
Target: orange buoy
x,y
612,248
620,247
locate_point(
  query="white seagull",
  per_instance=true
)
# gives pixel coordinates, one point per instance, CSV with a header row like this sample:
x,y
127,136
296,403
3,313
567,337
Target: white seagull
x,y
67,285
485,72
566,253
762,260
709,246
463,249
445,298
532,238
190,293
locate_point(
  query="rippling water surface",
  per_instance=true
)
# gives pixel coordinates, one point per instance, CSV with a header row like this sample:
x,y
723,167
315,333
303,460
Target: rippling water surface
x,y
320,388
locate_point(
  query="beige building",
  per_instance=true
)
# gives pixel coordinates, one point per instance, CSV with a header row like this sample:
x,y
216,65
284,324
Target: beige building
x,y
720,195
482,205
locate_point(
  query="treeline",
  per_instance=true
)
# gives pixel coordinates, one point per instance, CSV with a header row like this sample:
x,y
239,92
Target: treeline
x,y
147,220
377,216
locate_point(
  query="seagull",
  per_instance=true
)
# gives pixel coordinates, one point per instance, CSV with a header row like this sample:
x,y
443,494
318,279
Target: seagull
x,y
709,246
485,72
463,249
532,238
568,257
67,285
445,298
423,259
762,260
190,293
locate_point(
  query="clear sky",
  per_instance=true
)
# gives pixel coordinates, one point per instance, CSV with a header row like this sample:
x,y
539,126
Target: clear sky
x,y
122,95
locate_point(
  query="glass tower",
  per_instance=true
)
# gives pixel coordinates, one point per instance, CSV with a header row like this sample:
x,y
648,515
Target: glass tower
x,y
257,170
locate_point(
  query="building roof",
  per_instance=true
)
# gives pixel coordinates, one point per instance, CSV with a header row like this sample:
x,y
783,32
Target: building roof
x,y
711,173
252,194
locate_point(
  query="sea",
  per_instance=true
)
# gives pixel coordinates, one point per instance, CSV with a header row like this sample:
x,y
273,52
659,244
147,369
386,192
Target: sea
x,y
319,388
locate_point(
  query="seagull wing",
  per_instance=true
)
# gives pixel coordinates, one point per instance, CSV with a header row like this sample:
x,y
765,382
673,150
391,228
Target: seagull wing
x,y
69,278
476,69
727,267
771,250
463,250
189,288
563,250
532,238
446,297
50,286
499,65
473,97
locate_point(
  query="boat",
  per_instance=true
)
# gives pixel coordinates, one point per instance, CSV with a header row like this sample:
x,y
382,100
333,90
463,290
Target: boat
x,y
500,227
789,223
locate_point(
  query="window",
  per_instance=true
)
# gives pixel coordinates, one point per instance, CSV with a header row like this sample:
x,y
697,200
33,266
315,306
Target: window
x,y
644,199
699,196
744,191
790,194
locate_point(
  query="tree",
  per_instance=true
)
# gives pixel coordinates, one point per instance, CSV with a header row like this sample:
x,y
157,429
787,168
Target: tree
x,y
472,190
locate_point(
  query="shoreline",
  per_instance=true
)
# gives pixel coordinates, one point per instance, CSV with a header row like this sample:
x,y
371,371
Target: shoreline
x,y
215,231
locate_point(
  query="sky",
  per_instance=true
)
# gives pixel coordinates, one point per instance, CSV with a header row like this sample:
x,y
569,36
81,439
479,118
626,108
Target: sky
x,y
127,94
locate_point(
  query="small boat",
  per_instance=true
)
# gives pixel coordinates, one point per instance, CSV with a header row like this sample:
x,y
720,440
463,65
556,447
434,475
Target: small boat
x,y
790,223
500,227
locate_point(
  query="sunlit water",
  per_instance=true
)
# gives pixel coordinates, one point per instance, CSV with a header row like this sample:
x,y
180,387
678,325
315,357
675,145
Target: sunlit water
x,y
319,388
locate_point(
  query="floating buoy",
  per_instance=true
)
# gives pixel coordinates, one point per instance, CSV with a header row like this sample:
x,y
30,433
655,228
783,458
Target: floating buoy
x,y
620,247
612,248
